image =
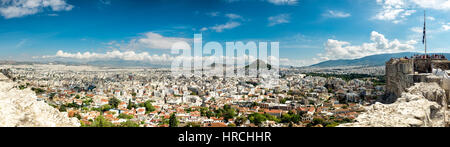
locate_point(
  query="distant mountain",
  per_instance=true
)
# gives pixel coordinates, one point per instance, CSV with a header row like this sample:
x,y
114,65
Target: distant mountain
x,y
125,63
373,60
258,64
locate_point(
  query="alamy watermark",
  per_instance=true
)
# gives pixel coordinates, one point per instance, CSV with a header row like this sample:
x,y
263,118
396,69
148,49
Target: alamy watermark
x,y
237,60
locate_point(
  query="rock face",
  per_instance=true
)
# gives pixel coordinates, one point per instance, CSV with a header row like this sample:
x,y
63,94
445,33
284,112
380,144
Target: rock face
x,y
19,108
420,106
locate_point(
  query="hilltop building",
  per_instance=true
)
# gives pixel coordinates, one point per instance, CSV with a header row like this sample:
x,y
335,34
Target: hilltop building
x,y
402,73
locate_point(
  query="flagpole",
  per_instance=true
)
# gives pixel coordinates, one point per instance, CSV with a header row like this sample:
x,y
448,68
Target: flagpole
x,y
424,31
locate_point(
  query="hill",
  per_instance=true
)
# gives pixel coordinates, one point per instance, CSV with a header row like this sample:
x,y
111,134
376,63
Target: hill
x,y
258,64
373,60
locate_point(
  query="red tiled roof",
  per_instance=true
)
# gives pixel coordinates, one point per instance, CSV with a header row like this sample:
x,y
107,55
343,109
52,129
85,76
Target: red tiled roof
x,y
216,125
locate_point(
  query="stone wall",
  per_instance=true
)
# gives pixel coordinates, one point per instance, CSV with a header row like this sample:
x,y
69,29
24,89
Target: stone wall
x,y
422,65
440,64
399,76
426,65
403,73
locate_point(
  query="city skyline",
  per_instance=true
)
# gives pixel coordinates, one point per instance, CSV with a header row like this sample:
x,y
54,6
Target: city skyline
x,y
308,31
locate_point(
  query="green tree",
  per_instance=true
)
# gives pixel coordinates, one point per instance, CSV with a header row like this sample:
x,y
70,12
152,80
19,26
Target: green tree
x,y
317,121
129,123
227,112
105,108
38,90
149,107
286,118
131,104
240,121
283,101
333,124
114,102
101,121
22,87
62,108
191,124
188,110
125,116
257,118
77,115
206,112
290,117
88,101
51,96
173,121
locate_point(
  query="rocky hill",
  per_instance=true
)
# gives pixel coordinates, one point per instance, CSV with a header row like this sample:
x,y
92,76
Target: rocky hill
x,y
19,108
422,105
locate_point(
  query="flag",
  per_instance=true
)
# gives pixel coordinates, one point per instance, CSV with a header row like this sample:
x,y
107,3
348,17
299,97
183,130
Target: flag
x,y
424,28
424,33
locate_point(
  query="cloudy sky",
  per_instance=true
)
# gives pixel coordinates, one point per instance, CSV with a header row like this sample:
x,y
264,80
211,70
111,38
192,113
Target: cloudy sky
x,y
309,31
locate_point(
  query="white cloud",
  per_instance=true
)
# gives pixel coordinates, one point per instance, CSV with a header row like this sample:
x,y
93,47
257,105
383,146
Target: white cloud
x,y
283,2
153,40
396,11
446,27
213,14
336,14
417,29
275,2
234,20
231,1
228,25
233,16
279,19
105,2
127,55
335,49
433,4
21,43
149,40
204,29
145,56
19,8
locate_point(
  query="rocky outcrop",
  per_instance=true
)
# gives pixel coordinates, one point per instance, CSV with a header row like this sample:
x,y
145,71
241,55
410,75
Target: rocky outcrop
x,y
19,108
420,106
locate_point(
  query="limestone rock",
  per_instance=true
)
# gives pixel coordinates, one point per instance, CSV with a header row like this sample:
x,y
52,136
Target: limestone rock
x,y
19,108
416,108
431,91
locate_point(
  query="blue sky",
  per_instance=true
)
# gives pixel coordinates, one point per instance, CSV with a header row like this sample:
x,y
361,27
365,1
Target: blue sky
x,y
309,31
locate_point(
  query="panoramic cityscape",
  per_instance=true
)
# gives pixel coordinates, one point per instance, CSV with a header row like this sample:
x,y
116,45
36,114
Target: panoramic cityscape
x,y
224,63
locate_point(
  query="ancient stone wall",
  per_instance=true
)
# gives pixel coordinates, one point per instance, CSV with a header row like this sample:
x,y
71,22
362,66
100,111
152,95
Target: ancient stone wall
x,y
422,65
440,64
403,73
398,77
